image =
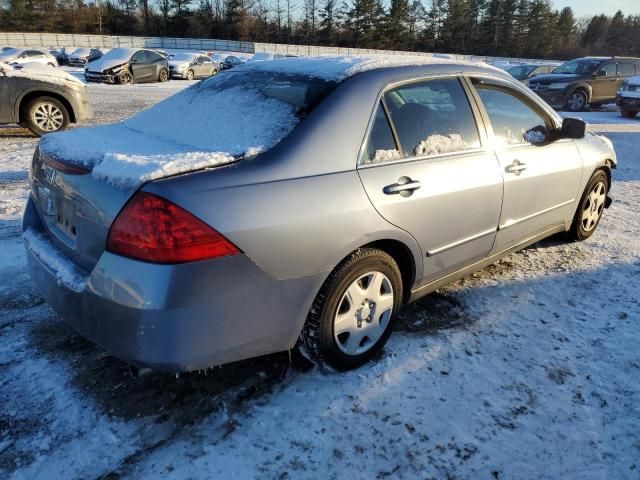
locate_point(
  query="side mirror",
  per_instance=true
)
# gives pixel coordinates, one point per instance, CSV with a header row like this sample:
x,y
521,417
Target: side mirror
x,y
573,128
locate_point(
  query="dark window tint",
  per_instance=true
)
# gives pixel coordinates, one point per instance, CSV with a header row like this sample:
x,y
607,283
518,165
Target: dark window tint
x,y
609,68
627,69
514,121
432,117
140,57
380,146
154,57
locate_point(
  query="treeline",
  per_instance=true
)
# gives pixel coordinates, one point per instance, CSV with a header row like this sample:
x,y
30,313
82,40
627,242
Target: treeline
x,y
512,28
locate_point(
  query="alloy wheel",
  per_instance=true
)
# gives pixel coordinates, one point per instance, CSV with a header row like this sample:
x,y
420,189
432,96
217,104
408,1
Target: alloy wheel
x,y
577,101
190,75
594,206
125,78
363,313
48,117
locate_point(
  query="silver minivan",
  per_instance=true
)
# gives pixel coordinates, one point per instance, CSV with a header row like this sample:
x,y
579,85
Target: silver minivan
x,y
322,195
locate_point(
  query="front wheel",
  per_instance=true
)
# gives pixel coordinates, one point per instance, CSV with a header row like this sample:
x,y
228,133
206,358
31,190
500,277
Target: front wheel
x,y
628,113
592,204
351,318
190,75
125,78
577,101
45,115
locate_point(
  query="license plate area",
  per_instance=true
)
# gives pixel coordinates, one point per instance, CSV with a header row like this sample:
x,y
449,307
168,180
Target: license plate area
x,y
59,212
65,217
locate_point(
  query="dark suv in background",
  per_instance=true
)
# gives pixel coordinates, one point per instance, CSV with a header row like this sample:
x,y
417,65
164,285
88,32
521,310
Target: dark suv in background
x,y
589,80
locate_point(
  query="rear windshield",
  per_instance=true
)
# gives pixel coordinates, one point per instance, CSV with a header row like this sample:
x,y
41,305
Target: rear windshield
x,y
183,56
237,112
578,67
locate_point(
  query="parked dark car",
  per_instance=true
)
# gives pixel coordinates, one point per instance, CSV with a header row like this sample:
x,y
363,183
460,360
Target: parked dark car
x,y
41,98
231,61
61,55
128,65
589,80
82,56
525,72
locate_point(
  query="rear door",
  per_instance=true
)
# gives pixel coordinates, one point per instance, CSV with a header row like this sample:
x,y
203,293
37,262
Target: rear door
x,y
425,169
541,178
605,83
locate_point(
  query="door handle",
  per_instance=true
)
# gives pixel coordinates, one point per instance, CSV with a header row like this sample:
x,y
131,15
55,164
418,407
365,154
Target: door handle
x,y
516,167
404,187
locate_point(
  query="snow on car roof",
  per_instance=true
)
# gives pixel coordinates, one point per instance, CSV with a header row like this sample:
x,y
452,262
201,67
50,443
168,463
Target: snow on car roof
x,y
188,131
39,71
337,68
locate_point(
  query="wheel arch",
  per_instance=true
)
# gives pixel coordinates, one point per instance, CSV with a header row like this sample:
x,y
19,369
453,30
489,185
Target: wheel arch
x,y
403,257
585,87
27,97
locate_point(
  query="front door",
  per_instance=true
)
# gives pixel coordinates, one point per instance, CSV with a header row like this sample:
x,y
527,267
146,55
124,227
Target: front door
x,y
541,178
6,103
425,170
141,68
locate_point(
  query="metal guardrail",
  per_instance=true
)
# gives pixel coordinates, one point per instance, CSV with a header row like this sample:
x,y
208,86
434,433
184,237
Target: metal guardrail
x,y
46,40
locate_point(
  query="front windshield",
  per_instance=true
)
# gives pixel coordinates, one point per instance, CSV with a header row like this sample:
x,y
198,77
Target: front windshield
x,y
182,57
578,67
520,72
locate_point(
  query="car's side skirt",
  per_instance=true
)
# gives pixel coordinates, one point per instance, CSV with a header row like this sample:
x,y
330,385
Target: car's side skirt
x,y
432,286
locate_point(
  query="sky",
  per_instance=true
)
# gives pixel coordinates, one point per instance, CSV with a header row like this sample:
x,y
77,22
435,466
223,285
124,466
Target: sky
x,y
593,7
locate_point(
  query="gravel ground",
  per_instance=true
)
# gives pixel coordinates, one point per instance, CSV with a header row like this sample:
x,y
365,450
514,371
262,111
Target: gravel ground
x,y
528,369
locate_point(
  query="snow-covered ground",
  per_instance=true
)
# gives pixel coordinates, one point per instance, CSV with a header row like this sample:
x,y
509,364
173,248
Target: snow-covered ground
x,y
529,369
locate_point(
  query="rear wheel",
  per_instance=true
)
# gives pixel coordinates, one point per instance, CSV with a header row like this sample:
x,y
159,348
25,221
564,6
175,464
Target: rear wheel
x,y
45,115
190,75
351,318
628,113
577,101
591,206
163,76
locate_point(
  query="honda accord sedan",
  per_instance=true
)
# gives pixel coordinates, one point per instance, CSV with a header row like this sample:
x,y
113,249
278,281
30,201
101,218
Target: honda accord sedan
x,y
329,193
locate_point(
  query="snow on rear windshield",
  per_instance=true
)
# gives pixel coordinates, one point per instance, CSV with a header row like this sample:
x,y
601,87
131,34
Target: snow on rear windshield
x,y
217,121
234,112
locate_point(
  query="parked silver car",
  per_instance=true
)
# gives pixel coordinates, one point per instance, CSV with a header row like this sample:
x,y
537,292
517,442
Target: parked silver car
x,y
22,56
42,98
191,66
330,192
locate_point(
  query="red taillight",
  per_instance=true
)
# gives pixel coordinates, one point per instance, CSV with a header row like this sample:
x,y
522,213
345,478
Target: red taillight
x,y
155,230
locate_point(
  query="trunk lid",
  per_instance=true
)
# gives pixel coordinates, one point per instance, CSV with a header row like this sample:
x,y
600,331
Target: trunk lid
x,y
76,209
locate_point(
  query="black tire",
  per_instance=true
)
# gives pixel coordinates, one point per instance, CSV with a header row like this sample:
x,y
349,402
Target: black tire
x,y
190,75
579,230
125,78
163,75
45,115
214,72
628,113
317,341
577,101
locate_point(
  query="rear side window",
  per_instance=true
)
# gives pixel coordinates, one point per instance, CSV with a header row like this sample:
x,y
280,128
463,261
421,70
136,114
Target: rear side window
x,y
381,145
609,68
432,117
627,69
514,122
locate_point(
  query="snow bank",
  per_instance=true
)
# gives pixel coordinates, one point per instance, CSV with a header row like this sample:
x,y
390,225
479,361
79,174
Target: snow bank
x,y
184,133
437,144
385,156
40,71
65,271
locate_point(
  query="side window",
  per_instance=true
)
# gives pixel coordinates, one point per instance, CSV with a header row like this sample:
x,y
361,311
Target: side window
x,y
514,122
627,69
610,69
380,146
205,59
140,57
433,117
153,57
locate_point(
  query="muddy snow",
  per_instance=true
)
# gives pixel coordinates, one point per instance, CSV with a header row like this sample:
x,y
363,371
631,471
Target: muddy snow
x,y
529,369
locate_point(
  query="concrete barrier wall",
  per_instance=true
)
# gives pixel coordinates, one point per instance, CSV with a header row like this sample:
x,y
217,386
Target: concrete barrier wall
x,y
45,40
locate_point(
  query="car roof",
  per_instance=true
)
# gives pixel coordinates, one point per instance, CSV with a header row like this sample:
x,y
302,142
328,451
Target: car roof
x,y
338,68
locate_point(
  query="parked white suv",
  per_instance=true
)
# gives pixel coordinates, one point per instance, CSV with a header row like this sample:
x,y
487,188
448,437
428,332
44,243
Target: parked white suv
x,y
628,97
20,56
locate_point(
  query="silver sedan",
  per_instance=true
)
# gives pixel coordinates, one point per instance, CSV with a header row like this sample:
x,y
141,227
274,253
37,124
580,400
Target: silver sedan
x,y
322,196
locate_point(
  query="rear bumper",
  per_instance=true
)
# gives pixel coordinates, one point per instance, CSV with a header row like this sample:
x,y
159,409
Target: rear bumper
x,y
176,317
